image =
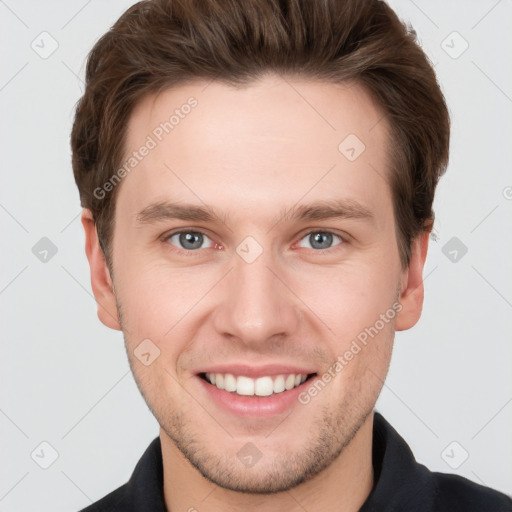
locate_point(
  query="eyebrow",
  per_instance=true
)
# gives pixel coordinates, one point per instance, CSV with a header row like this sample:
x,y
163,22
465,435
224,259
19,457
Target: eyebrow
x,y
319,210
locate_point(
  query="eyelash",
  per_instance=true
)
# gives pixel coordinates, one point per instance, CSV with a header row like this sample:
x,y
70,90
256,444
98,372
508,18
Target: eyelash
x,y
195,252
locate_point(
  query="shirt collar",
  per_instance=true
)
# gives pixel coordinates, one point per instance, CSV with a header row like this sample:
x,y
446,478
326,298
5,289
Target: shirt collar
x,y
400,483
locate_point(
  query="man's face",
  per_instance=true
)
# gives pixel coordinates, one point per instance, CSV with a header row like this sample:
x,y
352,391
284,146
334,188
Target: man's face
x,y
260,291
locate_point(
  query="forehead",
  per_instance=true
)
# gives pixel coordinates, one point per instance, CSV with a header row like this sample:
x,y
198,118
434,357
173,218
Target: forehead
x,y
273,142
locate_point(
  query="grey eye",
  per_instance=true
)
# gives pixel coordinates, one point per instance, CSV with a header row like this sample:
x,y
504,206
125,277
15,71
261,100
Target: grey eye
x,y
320,240
188,240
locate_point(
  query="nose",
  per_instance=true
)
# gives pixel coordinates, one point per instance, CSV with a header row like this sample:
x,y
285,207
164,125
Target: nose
x,y
257,306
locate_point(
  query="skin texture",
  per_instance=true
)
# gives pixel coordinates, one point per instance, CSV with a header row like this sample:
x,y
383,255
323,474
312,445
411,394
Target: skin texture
x,y
253,153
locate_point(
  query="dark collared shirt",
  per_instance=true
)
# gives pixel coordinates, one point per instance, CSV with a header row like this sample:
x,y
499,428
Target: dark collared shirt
x,y
401,484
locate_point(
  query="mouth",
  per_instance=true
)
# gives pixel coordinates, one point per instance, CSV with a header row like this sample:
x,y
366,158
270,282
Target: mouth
x,y
263,386
257,392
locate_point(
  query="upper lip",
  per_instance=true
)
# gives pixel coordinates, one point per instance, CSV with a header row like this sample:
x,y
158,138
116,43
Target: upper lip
x,y
256,371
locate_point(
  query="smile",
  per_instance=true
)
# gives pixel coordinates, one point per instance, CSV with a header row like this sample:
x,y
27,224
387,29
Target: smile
x,y
262,386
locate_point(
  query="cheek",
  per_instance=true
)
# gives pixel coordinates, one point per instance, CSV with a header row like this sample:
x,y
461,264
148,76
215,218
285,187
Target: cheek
x,y
164,306
144,305
361,363
349,298
154,298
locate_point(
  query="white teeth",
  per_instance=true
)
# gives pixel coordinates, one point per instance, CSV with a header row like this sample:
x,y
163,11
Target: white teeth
x,y
245,386
290,382
279,384
262,386
229,382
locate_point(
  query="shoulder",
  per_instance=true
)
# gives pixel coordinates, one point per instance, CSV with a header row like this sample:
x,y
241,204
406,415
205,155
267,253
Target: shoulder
x,y
456,493
115,501
143,492
403,484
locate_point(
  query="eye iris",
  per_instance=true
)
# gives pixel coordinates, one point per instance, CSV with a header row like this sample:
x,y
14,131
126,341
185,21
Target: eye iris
x,y
196,239
316,240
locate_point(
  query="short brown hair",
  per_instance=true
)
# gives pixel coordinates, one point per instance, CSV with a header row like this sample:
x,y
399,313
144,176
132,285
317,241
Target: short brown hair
x,y
157,44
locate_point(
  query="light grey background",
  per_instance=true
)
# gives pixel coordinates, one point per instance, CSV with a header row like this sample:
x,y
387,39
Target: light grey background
x,y
65,378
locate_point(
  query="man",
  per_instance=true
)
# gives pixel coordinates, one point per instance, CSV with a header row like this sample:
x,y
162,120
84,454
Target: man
x,y
257,180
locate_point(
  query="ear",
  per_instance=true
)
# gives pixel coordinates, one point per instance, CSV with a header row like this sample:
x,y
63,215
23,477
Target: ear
x,y
411,291
102,285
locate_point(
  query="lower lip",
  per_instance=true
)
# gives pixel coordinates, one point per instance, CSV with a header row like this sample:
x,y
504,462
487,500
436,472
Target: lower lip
x,y
255,406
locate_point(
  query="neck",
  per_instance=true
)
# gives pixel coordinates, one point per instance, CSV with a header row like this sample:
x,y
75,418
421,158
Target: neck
x,y
342,487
